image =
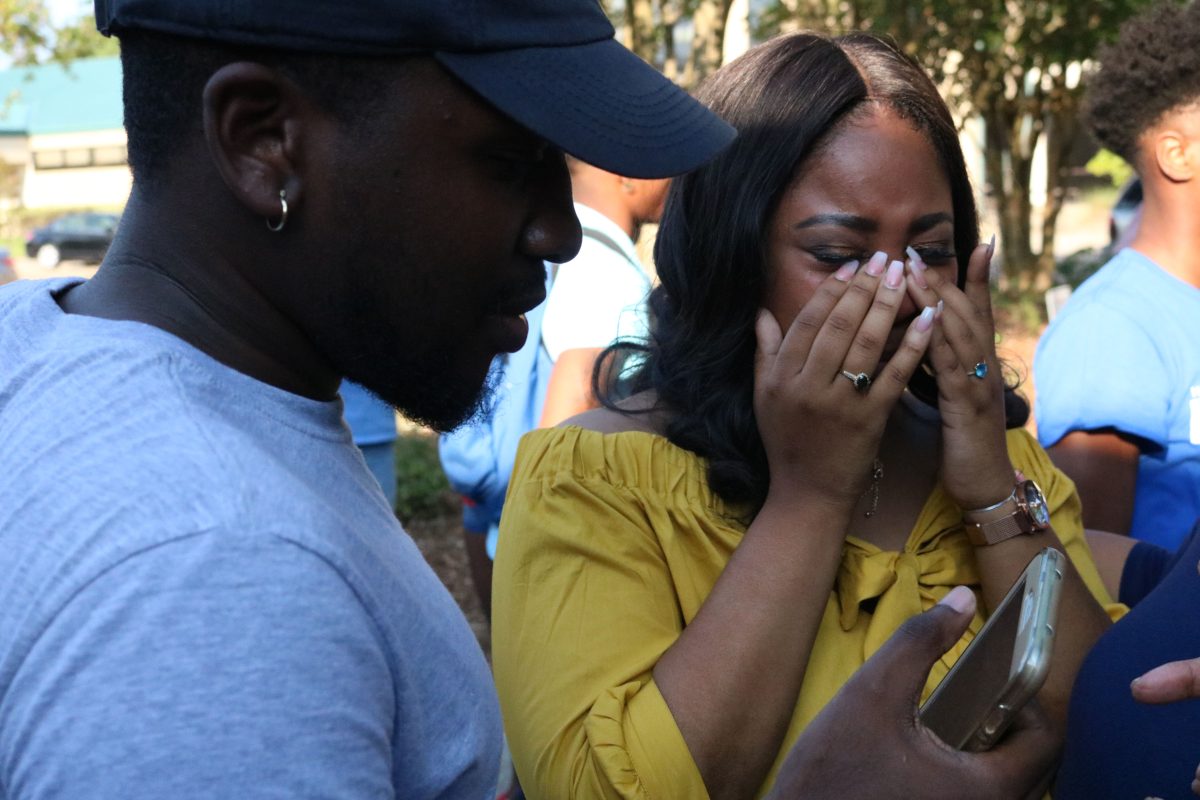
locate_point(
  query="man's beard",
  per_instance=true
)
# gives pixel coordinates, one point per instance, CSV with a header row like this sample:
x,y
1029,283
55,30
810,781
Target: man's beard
x,y
428,391
418,378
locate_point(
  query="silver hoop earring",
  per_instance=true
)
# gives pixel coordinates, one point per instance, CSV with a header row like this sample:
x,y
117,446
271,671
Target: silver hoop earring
x,y
276,227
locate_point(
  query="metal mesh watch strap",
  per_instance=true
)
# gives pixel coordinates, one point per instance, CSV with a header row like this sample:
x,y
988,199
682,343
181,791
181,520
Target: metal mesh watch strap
x,y
1023,511
996,531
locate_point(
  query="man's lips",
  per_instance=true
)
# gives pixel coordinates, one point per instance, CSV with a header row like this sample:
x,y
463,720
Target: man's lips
x,y
507,317
519,301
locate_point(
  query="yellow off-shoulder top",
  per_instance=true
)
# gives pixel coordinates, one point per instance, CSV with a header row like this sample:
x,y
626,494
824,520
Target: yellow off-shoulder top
x,y
609,545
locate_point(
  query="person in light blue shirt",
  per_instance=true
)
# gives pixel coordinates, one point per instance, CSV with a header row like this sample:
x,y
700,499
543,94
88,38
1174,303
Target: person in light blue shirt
x,y
1118,370
373,424
223,619
206,594
1123,360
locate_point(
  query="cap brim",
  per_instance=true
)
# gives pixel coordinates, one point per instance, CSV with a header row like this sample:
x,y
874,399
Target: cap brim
x,y
600,103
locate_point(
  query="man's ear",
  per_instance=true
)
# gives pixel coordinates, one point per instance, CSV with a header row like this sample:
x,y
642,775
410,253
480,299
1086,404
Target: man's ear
x,y
254,124
1176,155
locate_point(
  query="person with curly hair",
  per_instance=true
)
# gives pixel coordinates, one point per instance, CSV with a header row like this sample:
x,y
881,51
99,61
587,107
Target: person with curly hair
x,y
821,444
1118,386
1118,370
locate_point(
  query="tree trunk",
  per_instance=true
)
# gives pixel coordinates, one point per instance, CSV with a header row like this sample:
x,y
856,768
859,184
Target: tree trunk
x,y
707,39
1062,126
1022,127
1005,190
639,29
670,66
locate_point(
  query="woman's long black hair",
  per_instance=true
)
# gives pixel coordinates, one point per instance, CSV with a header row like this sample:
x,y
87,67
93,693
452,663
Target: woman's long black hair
x,y
785,98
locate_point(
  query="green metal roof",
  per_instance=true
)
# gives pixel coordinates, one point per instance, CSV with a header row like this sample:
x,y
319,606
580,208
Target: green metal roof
x,y
85,95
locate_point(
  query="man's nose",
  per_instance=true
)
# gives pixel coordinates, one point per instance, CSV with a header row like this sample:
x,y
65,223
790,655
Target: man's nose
x,y
552,232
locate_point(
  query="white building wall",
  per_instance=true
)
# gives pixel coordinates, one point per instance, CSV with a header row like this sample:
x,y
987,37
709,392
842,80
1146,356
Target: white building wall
x,y
93,187
14,150
84,187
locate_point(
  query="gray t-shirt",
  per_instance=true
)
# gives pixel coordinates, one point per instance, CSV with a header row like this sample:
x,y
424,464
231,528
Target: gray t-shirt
x,y
204,593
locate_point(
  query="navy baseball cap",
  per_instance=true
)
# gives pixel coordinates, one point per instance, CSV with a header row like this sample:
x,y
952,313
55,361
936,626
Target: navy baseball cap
x,y
551,65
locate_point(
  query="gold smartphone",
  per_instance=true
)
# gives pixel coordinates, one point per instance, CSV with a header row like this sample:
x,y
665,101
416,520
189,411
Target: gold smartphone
x,y
1005,665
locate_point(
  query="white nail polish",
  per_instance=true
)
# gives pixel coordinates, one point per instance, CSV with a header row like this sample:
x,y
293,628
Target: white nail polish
x,y
877,263
846,271
895,274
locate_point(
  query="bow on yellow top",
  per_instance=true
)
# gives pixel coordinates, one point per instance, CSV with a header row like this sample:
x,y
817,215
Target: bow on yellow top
x,y
904,584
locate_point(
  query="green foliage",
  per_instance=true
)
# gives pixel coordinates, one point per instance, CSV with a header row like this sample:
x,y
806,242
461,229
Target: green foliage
x,y
1015,64
25,32
422,491
27,36
1107,164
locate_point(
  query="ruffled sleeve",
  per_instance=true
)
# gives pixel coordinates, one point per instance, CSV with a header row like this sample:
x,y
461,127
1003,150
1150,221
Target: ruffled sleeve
x,y
584,605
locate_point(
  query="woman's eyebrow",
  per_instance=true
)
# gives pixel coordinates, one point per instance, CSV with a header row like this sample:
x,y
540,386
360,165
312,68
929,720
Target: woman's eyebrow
x,y
865,225
922,224
852,221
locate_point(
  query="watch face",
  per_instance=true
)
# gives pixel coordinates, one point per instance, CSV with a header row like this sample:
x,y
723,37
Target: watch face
x,y
1036,503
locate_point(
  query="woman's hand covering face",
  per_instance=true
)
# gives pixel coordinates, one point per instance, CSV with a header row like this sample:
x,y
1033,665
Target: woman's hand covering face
x,y
820,427
976,471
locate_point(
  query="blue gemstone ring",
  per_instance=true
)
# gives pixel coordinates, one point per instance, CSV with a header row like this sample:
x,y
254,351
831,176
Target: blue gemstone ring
x,y
979,371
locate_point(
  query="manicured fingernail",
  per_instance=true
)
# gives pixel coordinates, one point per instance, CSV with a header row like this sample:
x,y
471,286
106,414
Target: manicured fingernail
x,y
846,271
877,263
960,598
941,306
991,247
895,275
925,320
917,267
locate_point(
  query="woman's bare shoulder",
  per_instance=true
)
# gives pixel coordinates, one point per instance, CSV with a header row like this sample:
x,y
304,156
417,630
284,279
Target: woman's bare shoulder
x,y
637,413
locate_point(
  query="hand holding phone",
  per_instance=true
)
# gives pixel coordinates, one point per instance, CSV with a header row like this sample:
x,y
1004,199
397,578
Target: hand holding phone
x,y
866,742
1005,665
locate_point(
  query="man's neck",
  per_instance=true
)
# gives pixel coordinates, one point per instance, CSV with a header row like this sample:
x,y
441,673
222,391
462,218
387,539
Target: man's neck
x,y
1169,233
161,275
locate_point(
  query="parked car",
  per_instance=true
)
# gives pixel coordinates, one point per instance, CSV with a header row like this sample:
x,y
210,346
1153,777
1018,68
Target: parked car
x,y
8,270
1125,214
81,235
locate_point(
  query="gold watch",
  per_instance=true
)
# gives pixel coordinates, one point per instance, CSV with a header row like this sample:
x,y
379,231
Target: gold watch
x,y
1022,512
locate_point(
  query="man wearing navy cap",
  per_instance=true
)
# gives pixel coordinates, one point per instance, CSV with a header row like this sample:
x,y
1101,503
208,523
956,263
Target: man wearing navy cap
x,y
222,603
205,593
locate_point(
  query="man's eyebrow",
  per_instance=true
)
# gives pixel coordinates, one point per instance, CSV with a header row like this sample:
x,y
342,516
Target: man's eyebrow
x,y
852,221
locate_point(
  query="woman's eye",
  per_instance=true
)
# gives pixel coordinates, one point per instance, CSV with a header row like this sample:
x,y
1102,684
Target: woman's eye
x,y
835,256
936,254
